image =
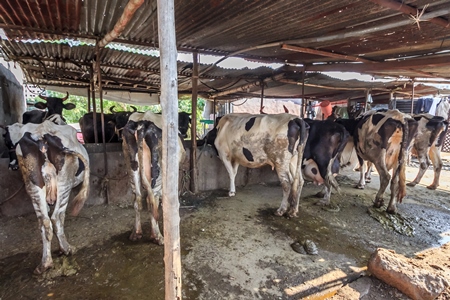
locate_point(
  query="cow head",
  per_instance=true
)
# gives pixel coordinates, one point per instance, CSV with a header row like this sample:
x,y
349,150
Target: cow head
x,y
184,120
54,105
121,119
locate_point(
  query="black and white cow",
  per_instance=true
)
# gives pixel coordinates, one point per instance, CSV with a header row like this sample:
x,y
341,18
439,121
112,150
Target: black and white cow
x,y
54,105
253,141
114,122
383,138
52,162
427,145
325,144
142,150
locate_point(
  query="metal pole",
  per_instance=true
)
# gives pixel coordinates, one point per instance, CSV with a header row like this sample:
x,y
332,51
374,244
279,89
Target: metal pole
x,y
170,146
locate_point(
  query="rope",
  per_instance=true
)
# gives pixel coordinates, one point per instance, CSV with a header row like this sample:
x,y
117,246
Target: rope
x,y
13,195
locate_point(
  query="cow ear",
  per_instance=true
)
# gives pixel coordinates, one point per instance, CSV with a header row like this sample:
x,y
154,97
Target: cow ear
x,y
69,106
40,105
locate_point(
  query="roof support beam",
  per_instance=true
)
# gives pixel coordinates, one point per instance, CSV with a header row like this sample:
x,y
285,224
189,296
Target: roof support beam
x,y
406,9
245,87
403,64
325,53
346,57
126,16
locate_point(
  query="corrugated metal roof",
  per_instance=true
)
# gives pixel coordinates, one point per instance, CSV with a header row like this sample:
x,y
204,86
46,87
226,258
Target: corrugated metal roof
x,y
252,29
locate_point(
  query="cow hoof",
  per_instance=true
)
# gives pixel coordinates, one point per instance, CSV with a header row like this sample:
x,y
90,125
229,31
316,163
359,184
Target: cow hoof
x,y
70,250
368,180
432,187
319,195
134,236
359,186
158,241
378,204
41,269
413,184
391,211
231,194
293,214
279,212
323,202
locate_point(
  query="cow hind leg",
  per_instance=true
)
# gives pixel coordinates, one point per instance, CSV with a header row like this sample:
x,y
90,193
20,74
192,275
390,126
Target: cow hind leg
x,y
362,183
368,175
153,203
58,218
326,195
392,207
136,233
424,164
283,176
45,226
436,160
232,169
385,178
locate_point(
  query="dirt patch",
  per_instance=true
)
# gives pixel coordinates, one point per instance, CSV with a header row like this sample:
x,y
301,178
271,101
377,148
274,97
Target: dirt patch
x,y
233,248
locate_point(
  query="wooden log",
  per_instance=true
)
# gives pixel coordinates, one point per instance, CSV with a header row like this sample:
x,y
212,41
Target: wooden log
x,y
169,104
399,272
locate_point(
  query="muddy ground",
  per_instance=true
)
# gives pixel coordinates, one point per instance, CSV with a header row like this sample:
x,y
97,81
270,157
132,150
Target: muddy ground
x,y
233,248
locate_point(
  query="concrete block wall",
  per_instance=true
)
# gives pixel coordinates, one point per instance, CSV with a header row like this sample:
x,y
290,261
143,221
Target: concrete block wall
x,y
114,188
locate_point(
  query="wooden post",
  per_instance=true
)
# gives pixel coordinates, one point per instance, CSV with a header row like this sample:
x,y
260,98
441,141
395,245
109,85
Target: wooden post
x,y
366,99
94,105
169,100
412,97
214,112
303,108
88,100
392,101
102,118
262,96
194,170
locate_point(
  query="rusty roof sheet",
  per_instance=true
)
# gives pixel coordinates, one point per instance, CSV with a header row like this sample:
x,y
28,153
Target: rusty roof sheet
x,y
350,35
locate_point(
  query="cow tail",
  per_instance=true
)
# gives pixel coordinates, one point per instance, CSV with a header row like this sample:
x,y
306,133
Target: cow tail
x,y
298,182
344,136
146,184
401,169
80,198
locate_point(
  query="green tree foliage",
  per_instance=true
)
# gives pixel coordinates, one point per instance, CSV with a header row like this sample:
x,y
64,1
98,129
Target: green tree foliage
x,y
74,115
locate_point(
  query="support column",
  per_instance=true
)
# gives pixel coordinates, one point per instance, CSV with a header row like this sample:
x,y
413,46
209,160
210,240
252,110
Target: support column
x,y
169,101
194,169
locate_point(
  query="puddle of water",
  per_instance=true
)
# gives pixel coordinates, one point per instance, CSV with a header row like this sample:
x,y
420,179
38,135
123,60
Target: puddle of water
x,y
445,238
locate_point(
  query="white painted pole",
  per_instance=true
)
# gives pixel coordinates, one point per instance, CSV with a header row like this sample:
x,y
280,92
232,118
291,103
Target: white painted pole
x,y
169,105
